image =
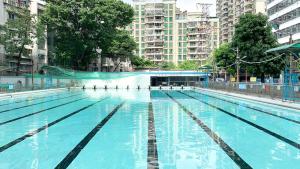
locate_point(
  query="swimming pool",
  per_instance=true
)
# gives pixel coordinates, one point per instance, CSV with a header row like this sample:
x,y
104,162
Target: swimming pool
x,y
135,129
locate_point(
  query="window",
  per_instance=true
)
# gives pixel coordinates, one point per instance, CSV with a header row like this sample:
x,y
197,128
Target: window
x,y
11,16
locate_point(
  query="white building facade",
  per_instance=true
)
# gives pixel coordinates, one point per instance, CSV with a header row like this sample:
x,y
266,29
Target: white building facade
x,y
284,15
37,52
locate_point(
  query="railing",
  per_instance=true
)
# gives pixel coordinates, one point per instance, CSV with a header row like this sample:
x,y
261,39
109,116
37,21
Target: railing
x,y
263,89
10,84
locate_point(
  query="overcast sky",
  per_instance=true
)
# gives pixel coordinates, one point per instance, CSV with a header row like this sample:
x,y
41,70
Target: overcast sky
x,y
190,5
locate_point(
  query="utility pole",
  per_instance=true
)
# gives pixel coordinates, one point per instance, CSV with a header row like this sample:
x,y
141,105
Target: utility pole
x,y
237,66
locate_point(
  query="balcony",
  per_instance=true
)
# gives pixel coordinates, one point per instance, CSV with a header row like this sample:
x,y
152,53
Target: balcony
x,y
154,12
153,40
154,27
154,46
16,3
154,21
154,33
149,53
193,39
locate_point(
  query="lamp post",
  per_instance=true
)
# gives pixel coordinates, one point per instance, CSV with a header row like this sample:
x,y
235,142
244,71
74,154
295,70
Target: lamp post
x,y
98,50
237,66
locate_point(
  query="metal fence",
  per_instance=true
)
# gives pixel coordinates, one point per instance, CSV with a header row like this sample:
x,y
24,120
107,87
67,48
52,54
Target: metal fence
x,y
261,90
10,84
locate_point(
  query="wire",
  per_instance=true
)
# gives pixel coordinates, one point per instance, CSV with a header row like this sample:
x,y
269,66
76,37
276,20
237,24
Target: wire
x,y
227,66
268,60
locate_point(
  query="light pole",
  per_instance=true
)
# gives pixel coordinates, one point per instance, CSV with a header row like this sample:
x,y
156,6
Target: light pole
x,y
98,50
237,66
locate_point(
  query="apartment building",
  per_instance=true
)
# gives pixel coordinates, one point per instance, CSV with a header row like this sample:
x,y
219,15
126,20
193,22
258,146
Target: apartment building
x,y
198,36
36,54
153,29
164,33
284,15
229,11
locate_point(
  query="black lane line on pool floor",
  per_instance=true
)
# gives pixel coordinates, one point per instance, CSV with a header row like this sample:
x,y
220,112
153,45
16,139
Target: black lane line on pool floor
x,y
286,140
37,98
3,111
225,147
39,112
30,134
77,149
253,108
152,159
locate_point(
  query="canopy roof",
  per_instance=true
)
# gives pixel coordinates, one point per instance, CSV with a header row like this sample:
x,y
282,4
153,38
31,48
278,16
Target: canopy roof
x,y
295,48
206,67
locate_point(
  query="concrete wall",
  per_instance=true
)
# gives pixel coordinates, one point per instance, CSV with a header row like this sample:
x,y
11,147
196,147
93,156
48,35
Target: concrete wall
x,y
2,13
133,82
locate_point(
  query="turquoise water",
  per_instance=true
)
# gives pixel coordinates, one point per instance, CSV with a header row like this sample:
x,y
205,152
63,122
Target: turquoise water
x,y
120,129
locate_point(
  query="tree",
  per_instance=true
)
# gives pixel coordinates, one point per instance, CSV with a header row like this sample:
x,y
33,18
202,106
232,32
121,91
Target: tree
x,y
80,27
122,46
167,66
18,33
140,62
189,65
253,36
224,57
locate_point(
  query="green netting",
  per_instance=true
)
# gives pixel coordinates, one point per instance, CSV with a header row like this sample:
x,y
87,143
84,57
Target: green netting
x,y
60,73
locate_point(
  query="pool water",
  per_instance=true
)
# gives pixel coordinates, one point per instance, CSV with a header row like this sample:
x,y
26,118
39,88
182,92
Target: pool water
x,y
136,129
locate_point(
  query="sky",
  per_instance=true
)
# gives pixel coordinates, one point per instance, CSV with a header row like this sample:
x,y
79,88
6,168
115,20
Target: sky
x,y
190,5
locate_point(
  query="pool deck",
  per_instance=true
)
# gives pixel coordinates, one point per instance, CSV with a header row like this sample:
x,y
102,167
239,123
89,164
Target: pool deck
x,y
277,102
13,94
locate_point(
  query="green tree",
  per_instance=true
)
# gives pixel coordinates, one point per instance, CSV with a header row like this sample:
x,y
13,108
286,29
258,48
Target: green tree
x,y
189,65
81,27
122,46
167,66
253,36
224,57
140,62
18,33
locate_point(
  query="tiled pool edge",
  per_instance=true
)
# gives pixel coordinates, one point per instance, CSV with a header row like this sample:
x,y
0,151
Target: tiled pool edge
x,y
277,102
4,95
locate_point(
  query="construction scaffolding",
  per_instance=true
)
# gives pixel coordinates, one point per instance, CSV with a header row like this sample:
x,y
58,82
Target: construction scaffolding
x,y
200,34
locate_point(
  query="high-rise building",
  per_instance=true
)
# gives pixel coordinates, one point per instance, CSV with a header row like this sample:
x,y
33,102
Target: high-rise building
x,y
229,11
284,15
166,34
197,36
37,51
